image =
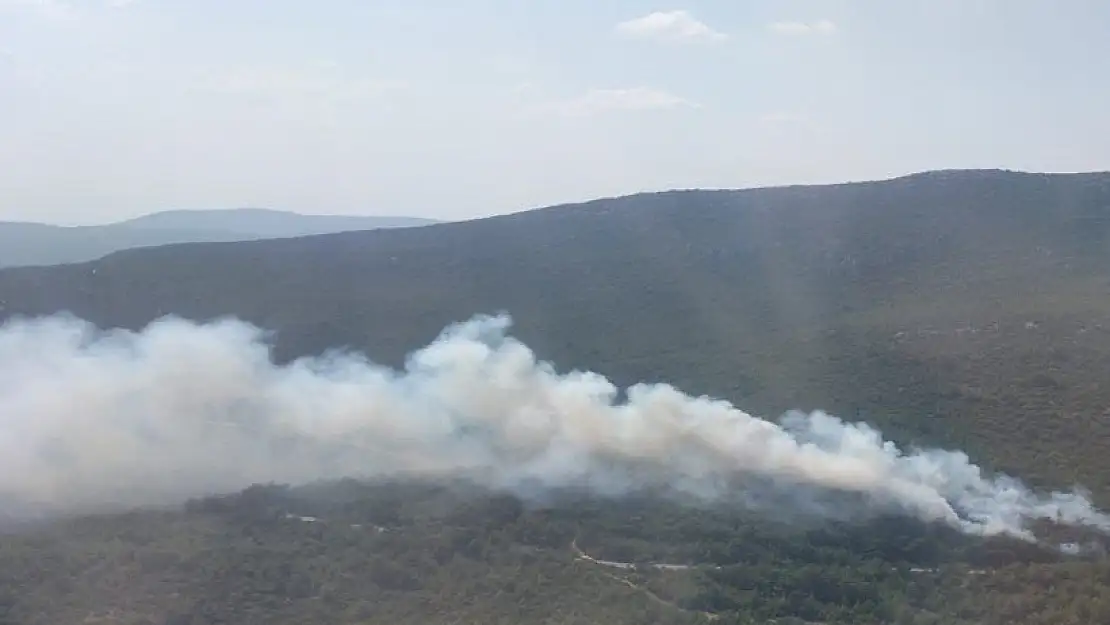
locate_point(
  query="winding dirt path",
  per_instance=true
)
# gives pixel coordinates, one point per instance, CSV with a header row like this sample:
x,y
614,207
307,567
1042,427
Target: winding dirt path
x,y
582,556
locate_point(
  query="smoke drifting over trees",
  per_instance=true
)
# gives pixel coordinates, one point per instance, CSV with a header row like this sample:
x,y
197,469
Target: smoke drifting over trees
x,y
97,419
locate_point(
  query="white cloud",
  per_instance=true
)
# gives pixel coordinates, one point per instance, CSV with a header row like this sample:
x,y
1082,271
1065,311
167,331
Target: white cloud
x,y
820,27
783,117
598,101
788,121
510,65
322,81
49,9
119,4
669,26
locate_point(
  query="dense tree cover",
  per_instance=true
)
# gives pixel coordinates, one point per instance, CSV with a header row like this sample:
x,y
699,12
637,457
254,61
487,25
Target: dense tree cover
x,y
962,309
406,552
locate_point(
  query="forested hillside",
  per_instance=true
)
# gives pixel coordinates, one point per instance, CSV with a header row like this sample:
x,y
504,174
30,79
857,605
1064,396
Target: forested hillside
x,y
965,309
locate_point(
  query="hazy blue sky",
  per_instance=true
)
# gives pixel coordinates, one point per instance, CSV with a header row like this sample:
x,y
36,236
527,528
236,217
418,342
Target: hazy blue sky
x,y
456,108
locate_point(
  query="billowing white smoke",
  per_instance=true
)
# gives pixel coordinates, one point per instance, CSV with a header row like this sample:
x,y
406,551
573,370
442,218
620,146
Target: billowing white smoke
x,y
91,419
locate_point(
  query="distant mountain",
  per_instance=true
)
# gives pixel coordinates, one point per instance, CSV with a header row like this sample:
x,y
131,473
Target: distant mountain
x,y
30,244
266,223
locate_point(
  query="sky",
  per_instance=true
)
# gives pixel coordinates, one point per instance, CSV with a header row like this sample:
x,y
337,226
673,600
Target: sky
x,y
464,108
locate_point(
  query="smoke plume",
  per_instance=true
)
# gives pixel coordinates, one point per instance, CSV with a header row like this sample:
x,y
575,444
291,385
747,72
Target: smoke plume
x,y
92,419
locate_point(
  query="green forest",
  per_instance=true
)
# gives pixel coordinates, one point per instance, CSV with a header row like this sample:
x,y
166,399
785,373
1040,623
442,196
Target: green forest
x,y
409,552
963,310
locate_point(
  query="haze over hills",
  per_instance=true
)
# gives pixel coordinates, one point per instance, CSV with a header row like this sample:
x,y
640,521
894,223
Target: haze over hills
x,y
29,244
268,223
960,309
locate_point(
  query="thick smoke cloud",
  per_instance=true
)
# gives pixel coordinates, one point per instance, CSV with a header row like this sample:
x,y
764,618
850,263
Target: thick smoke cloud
x,y
92,419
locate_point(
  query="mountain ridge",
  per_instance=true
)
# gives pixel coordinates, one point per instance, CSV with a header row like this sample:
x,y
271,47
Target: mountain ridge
x,y
777,299
31,243
965,311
